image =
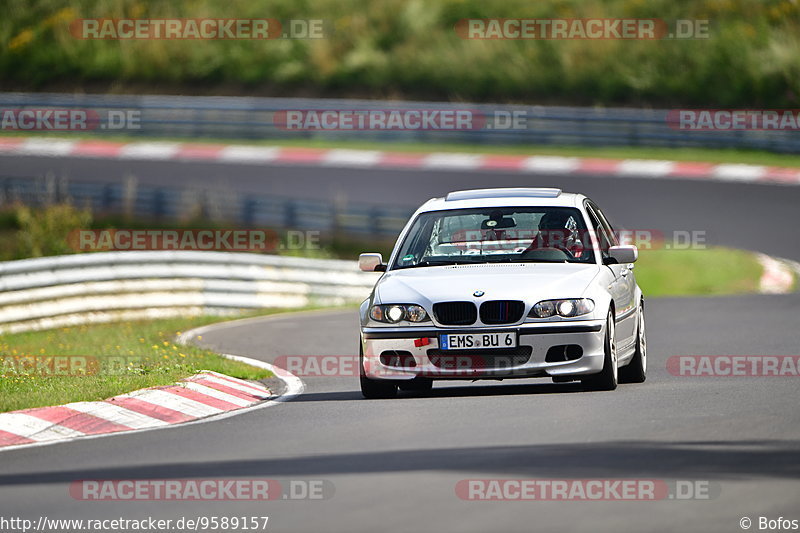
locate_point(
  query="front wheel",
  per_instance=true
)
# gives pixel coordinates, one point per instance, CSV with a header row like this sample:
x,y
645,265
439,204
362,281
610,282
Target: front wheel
x,y
607,378
636,370
374,389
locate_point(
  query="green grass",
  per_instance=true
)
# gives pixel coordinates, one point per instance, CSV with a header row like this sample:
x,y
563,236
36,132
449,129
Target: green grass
x,y
710,272
147,346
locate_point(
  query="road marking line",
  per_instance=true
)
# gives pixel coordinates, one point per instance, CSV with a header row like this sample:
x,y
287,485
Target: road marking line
x,y
258,387
777,277
300,155
546,163
455,161
645,167
102,149
503,162
149,150
214,393
11,439
116,414
729,172
34,428
167,398
248,154
69,418
223,387
152,410
351,158
46,147
252,391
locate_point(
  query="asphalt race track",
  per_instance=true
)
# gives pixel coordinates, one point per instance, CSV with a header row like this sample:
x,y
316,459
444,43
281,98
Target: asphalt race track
x,y
395,464
742,215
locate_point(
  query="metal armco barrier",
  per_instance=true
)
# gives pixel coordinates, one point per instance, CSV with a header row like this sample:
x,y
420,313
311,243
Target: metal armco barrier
x,y
255,118
105,286
240,209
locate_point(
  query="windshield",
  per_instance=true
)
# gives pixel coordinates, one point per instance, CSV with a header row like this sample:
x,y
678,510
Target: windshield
x,y
497,234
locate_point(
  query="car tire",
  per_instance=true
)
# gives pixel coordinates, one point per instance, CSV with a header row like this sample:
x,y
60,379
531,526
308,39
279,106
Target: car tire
x,y
416,385
374,389
607,378
636,370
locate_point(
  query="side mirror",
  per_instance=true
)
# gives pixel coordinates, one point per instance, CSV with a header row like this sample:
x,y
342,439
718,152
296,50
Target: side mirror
x,y
371,263
627,253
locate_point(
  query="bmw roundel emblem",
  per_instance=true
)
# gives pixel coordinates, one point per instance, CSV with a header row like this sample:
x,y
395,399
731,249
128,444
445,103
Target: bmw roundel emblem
x,y
478,294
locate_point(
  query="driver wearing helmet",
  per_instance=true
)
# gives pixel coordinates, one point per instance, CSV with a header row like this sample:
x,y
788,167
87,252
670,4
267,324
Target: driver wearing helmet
x,y
558,229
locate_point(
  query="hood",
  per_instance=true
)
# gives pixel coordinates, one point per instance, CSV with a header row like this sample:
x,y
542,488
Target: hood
x,y
530,282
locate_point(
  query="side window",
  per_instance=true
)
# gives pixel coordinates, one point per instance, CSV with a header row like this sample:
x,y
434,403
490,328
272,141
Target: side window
x,y
599,231
606,224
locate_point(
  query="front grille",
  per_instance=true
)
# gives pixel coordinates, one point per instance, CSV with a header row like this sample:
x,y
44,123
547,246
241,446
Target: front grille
x,y
502,311
455,313
480,359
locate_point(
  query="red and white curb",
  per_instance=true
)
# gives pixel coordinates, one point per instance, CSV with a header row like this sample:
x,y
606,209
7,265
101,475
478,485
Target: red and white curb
x,y
203,397
778,276
345,158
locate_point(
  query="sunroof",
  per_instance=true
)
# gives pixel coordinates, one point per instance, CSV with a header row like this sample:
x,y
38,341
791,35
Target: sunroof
x,y
516,192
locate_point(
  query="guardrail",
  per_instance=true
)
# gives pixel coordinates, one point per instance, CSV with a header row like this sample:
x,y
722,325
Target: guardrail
x,y
61,291
136,201
253,118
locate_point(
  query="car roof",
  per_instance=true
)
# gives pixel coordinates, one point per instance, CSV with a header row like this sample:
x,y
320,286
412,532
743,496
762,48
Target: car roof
x,y
503,197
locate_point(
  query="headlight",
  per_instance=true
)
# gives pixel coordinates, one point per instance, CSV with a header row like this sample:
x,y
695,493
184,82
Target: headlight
x,y
415,313
376,313
395,313
566,308
544,309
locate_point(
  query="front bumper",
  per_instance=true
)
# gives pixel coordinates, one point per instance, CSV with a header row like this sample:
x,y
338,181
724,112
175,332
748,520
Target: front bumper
x,y
536,339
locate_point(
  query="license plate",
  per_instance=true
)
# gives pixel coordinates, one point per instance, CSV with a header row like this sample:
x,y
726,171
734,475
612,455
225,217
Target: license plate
x,y
471,341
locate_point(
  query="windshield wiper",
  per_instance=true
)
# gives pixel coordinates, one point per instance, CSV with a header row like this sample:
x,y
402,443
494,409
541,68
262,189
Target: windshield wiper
x,y
544,261
433,263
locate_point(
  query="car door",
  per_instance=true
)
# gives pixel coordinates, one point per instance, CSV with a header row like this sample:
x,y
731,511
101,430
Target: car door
x,y
618,288
626,314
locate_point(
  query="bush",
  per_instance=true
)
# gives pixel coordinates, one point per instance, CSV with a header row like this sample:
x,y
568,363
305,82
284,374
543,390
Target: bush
x,y
409,49
45,231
